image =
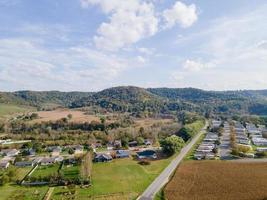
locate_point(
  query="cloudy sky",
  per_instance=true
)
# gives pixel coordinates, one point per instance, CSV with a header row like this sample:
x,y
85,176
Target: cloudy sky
x,y
89,45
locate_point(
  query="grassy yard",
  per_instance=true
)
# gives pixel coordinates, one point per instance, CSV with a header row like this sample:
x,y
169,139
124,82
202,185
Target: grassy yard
x,y
22,172
119,179
71,172
45,171
11,192
6,109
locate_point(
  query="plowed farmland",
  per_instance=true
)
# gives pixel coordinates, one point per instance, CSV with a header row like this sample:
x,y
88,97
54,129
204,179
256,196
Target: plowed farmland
x,y
217,180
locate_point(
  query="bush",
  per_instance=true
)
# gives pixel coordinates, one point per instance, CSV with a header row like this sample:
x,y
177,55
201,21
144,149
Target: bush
x,y
144,162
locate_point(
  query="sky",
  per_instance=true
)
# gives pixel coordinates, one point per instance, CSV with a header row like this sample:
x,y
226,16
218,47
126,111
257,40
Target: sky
x,y
90,45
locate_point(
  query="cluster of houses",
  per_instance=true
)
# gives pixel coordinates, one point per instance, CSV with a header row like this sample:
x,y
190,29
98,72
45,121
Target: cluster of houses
x,y
241,135
109,156
8,157
54,156
207,149
256,135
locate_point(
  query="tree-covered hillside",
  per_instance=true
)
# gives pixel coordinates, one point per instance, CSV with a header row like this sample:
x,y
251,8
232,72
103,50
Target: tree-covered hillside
x,y
152,100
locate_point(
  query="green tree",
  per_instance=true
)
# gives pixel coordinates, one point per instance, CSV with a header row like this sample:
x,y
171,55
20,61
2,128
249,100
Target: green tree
x,y
172,144
140,140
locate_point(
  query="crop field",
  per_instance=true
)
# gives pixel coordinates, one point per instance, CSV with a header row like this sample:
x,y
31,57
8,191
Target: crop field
x,y
216,180
77,116
148,122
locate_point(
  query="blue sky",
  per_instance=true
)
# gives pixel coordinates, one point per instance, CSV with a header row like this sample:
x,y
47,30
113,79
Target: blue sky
x,y
89,45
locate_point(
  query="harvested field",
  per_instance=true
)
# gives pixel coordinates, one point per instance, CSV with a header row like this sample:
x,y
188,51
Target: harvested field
x,y
77,116
148,122
216,180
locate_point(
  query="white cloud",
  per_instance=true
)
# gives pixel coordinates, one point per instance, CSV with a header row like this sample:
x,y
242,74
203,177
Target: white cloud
x,y
141,59
133,20
129,22
195,66
182,14
27,65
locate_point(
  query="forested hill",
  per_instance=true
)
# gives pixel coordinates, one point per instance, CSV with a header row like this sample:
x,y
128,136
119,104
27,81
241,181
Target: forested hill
x,y
158,100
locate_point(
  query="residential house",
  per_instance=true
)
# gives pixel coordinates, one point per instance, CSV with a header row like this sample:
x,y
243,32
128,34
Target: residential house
x,y
133,144
102,157
117,144
4,164
24,164
147,154
122,154
148,142
10,152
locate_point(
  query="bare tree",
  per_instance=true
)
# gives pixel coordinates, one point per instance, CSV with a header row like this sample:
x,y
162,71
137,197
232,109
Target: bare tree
x,y
86,167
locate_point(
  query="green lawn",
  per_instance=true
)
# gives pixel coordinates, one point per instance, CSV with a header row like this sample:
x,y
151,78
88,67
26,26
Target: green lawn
x,y
6,109
45,171
118,178
71,171
22,172
11,192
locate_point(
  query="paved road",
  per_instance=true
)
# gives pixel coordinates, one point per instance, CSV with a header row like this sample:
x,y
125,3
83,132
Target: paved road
x,y
163,178
225,147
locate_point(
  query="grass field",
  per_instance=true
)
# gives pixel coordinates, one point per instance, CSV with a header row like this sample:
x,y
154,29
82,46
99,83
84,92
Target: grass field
x,y
6,109
11,192
71,171
119,179
45,171
22,172
216,180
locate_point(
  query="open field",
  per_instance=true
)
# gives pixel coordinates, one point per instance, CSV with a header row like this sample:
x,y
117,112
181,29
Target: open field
x,y
71,172
216,180
6,109
45,171
22,172
77,116
148,122
119,179
11,192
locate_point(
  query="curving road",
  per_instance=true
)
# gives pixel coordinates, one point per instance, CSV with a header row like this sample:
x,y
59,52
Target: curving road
x,y
163,178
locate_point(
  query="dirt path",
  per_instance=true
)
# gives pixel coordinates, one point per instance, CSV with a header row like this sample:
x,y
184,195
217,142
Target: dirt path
x,y
49,193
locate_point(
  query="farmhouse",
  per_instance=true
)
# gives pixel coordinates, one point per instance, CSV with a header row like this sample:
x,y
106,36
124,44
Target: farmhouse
x,y
147,154
102,157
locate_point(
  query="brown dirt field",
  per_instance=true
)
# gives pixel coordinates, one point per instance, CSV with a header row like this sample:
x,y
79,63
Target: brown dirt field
x,y
77,116
218,180
148,122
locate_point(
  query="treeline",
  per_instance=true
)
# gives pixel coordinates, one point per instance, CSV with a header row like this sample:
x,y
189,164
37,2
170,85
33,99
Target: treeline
x,y
190,130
